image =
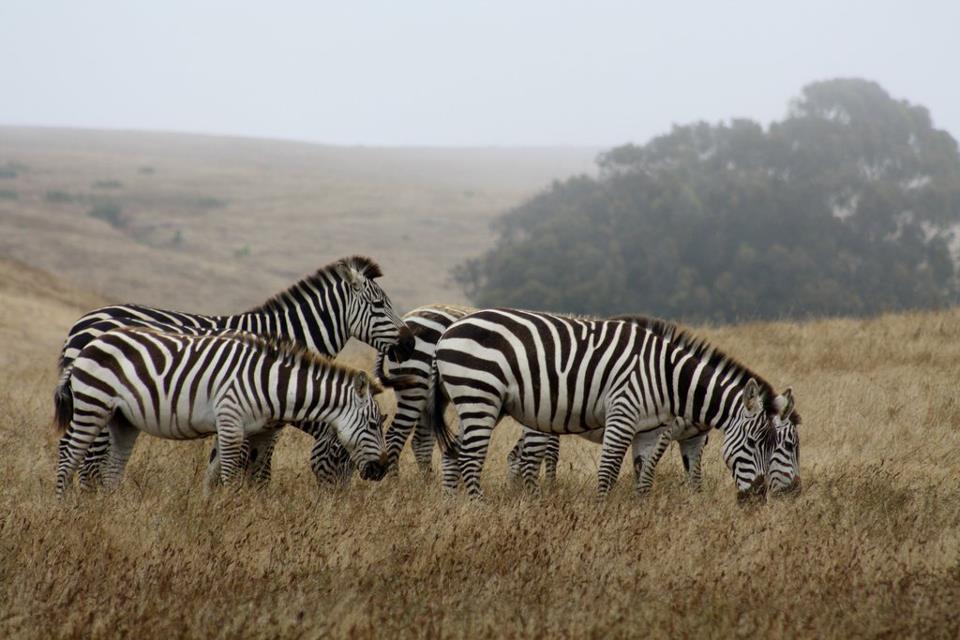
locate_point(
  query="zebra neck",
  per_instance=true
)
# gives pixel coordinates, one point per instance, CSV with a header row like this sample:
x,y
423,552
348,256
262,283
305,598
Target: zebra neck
x,y
311,395
307,315
701,393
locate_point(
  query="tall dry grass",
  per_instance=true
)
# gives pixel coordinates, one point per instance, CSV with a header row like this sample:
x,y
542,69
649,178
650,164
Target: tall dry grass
x,y
871,547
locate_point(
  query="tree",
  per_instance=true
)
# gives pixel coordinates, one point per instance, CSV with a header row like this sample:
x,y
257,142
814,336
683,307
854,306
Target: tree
x,y
847,206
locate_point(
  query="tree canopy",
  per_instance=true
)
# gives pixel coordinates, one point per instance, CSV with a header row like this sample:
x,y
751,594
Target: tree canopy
x,y
849,205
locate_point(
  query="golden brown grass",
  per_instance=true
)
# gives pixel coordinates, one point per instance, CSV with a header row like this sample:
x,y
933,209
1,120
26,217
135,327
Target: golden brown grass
x,y
871,548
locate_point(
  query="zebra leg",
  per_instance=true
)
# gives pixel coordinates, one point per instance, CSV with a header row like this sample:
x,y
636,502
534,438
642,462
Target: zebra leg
x,y
91,471
260,455
668,435
423,448
212,476
551,458
123,436
618,433
72,448
476,426
535,444
230,444
644,444
691,450
410,406
450,470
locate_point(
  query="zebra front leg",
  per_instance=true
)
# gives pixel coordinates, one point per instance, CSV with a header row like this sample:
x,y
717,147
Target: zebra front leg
x,y
230,450
260,455
123,436
551,458
450,472
532,452
649,467
691,450
617,436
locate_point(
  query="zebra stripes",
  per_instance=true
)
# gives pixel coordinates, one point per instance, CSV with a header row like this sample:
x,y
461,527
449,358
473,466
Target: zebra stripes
x,y
235,385
559,374
320,312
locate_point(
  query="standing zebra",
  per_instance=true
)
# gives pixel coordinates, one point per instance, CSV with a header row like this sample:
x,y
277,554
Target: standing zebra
x,y
320,312
560,374
234,385
429,322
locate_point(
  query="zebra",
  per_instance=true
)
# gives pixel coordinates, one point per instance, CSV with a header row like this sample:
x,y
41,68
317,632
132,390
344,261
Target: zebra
x,y
544,448
320,312
234,385
564,374
428,323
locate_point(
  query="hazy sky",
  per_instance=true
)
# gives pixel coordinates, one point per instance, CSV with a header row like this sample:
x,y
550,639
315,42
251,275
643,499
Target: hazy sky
x,y
458,72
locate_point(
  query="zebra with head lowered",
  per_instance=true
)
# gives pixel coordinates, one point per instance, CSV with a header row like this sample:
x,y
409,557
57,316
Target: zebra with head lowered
x,y
561,374
320,312
234,385
429,322
535,447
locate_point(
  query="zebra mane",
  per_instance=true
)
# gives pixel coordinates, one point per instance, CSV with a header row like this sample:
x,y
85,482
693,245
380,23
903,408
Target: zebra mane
x,y
318,280
699,347
294,352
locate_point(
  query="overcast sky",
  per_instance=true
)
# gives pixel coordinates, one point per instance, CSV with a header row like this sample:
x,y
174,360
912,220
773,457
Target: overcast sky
x,y
458,72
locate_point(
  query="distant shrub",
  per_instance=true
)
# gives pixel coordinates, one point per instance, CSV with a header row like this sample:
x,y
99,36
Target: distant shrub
x,y
107,184
242,252
59,197
8,172
146,171
177,239
109,212
9,194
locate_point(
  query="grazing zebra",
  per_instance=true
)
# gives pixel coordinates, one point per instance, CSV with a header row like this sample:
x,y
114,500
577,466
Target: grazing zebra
x,y
429,322
538,448
234,385
560,374
320,312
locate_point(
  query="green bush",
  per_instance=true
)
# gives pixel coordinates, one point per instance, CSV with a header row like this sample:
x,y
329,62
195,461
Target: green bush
x,y
109,212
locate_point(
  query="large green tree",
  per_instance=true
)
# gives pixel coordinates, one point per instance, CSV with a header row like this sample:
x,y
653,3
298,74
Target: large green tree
x,y
847,206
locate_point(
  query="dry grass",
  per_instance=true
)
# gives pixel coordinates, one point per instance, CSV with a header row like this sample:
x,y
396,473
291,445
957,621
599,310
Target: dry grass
x,y
872,546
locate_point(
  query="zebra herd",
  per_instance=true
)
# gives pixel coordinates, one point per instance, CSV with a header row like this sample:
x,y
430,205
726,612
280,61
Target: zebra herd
x,y
621,382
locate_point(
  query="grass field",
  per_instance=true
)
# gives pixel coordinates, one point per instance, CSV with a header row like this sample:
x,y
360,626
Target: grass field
x,y
870,548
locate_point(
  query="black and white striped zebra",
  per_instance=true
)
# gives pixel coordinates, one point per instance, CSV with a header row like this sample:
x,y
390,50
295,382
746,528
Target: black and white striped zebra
x,y
233,385
320,312
429,322
560,374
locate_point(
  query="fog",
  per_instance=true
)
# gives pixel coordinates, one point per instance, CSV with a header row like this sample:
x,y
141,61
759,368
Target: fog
x,y
455,73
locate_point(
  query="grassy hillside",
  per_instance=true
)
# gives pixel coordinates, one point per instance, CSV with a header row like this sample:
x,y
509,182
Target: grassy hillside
x,y
218,224
871,547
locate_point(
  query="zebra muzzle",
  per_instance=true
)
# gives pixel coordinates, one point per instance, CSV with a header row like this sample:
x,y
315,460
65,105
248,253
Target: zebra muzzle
x,y
373,471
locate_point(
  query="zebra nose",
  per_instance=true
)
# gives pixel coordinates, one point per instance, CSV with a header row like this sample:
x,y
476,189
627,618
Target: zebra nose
x,y
405,344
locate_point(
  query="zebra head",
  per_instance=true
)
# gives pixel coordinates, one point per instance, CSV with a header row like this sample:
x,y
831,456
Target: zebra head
x,y
360,428
748,441
785,462
369,312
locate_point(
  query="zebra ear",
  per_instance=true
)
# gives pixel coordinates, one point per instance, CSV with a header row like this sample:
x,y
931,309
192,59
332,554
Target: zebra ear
x,y
784,403
751,397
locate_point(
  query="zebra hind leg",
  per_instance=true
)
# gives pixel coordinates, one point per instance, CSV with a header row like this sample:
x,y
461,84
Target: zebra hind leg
x,y
422,446
550,459
91,470
73,447
259,456
692,451
123,436
649,467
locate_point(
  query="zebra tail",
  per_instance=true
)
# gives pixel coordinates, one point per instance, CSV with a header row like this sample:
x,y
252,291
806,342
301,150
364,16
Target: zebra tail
x,y
63,401
397,383
434,414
